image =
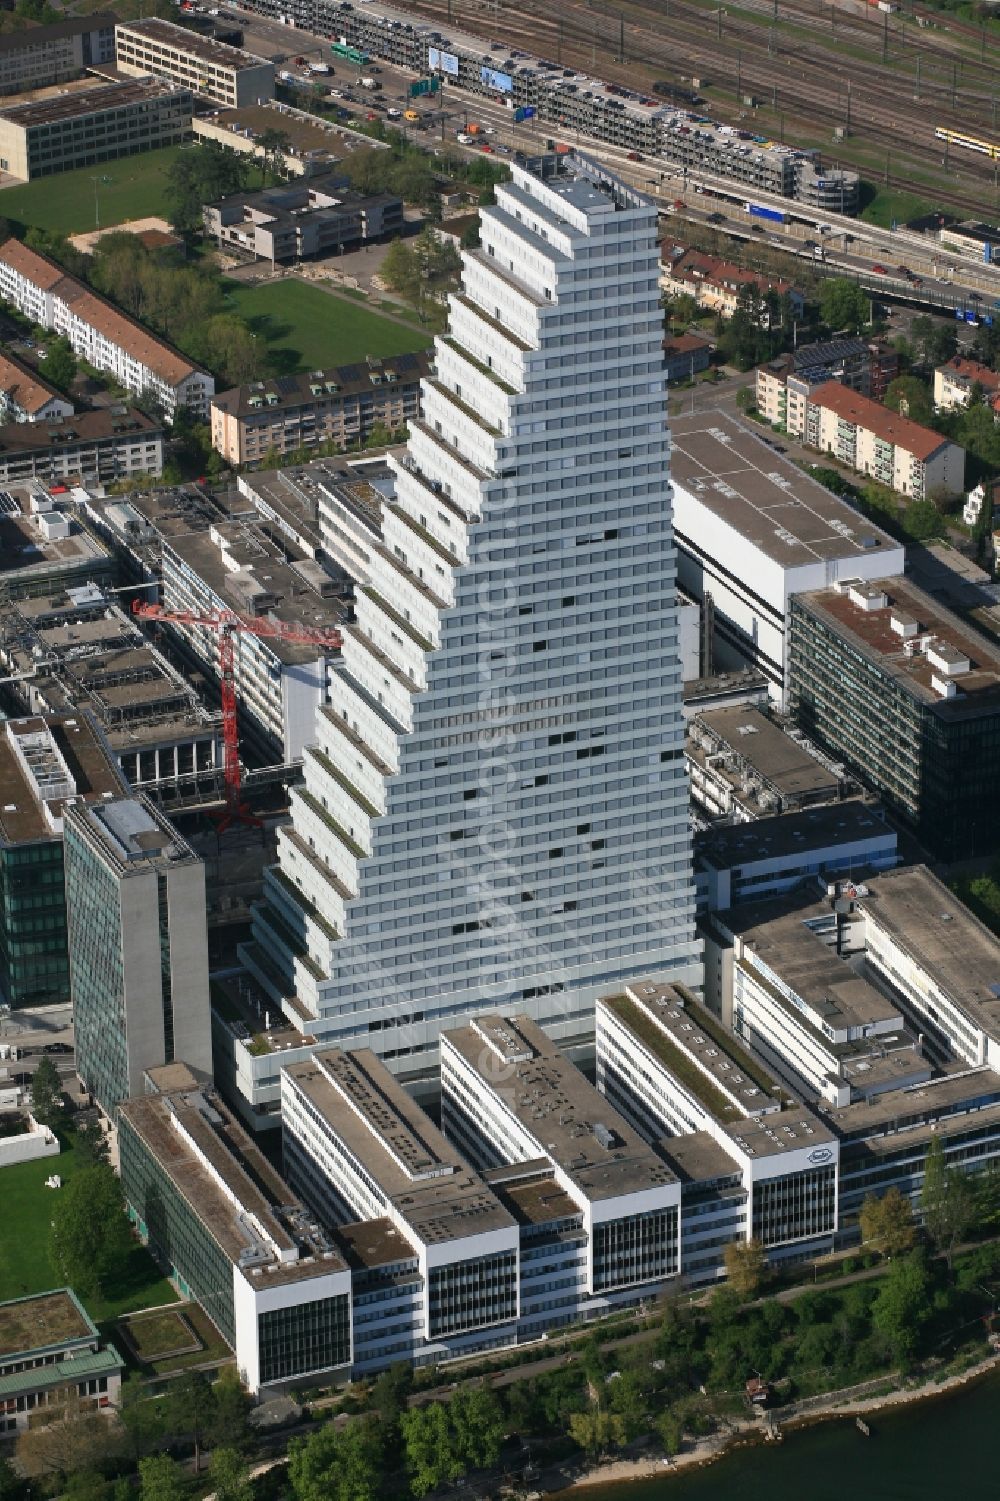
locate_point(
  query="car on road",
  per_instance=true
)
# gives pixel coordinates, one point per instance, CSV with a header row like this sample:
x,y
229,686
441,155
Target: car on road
x,y
393,113
716,218
634,156
485,146
974,296
57,1047
879,269
489,130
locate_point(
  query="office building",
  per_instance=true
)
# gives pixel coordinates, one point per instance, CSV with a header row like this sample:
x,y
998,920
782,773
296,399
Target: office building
x,y
25,396
905,694
955,381
748,862
938,959
43,762
496,771
43,548
226,74
91,126
437,1252
752,530
231,1235
301,220
743,765
783,384
510,1100
39,56
874,441
99,333
779,972
297,412
51,1353
73,651
138,946
754,1163
91,448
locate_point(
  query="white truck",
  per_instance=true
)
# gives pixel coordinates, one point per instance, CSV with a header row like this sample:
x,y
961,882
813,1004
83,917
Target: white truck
x,y
319,68
371,84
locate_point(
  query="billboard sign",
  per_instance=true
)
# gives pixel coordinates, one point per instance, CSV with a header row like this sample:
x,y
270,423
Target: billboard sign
x,y
500,81
447,62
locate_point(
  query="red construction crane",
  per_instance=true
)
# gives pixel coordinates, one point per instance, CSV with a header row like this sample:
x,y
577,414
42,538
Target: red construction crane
x,y
227,623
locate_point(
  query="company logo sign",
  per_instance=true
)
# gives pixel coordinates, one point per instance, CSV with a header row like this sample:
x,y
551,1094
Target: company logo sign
x,y
820,1154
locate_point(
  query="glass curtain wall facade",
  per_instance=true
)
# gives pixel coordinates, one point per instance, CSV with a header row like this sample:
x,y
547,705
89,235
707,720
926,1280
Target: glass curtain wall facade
x,y
34,961
494,813
93,906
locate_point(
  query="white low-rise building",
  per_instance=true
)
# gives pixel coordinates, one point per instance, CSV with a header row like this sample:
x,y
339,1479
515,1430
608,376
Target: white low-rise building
x,y
752,530
226,74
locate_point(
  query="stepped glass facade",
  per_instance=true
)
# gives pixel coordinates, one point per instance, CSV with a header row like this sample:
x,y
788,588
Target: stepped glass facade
x,y
494,809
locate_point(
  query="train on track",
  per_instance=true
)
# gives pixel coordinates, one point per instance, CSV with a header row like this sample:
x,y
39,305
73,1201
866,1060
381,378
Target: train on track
x,y
970,143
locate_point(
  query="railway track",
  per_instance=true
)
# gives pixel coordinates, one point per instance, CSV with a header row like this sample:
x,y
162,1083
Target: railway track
x,y
590,36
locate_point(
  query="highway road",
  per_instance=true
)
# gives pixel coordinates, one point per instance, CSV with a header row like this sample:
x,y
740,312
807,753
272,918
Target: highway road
x,y
947,281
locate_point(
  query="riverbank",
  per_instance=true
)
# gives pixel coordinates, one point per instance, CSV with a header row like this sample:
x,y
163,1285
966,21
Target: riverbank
x,y
754,1430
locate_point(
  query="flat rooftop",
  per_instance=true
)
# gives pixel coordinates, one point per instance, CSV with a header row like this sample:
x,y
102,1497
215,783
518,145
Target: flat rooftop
x,y
765,497
374,1243
182,39
84,753
870,633
94,101
782,762
534,1199
229,1184
698,1158
942,937
770,1135
903,1109
311,137
38,1322
575,1126
437,1194
36,36
25,550
692,1044
133,833
851,821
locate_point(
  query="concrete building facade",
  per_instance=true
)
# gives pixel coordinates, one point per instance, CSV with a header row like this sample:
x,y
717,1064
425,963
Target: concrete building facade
x,y
138,947
25,397
226,74
85,129
874,441
40,56
91,448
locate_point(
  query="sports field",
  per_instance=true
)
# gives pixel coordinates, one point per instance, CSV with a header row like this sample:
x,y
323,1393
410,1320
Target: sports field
x,y
130,188
306,328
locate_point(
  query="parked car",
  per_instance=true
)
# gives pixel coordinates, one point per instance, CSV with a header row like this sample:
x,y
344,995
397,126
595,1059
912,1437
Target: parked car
x,y
57,1047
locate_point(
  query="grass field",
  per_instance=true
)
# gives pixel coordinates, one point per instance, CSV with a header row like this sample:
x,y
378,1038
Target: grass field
x,y
25,1264
130,188
305,328
892,204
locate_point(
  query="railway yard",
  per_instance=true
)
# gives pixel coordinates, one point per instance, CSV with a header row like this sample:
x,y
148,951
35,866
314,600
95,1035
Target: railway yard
x,y
812,69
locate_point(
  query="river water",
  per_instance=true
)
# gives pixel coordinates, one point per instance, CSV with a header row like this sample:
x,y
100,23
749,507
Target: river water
x,y
944,1448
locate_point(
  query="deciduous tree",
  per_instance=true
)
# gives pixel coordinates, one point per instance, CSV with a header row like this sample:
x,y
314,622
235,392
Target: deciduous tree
x,y
161,1479
90,1236
887,1223
902,1307
337,1466
745,1266
46,1094
947,1201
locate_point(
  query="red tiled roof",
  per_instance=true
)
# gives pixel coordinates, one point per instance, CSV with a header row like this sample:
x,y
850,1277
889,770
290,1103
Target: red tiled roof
x,y
972,371
920,441
685,344
37,268
699,268
27,389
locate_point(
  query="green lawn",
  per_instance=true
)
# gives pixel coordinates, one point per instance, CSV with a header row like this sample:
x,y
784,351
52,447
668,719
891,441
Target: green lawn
x,y
306,329
65,202
891,203
25,1264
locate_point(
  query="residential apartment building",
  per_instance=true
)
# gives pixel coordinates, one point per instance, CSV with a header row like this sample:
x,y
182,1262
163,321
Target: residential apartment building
x,y
87,128
301,220
52,1354
907,696
138,946
752,530
231,1234
341,405
954,382
719,284
226,74
39,56
99,333
43,762
25,397
754,1163
872,440
783,385
463,564
91,448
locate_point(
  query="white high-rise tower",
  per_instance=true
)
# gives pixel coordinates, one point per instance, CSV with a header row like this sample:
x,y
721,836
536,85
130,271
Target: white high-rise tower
x,y
495,810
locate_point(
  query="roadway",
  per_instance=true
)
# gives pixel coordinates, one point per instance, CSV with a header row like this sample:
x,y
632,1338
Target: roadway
x,y
946,280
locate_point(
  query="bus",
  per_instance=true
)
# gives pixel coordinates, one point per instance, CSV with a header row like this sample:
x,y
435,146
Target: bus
x,y
351,54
